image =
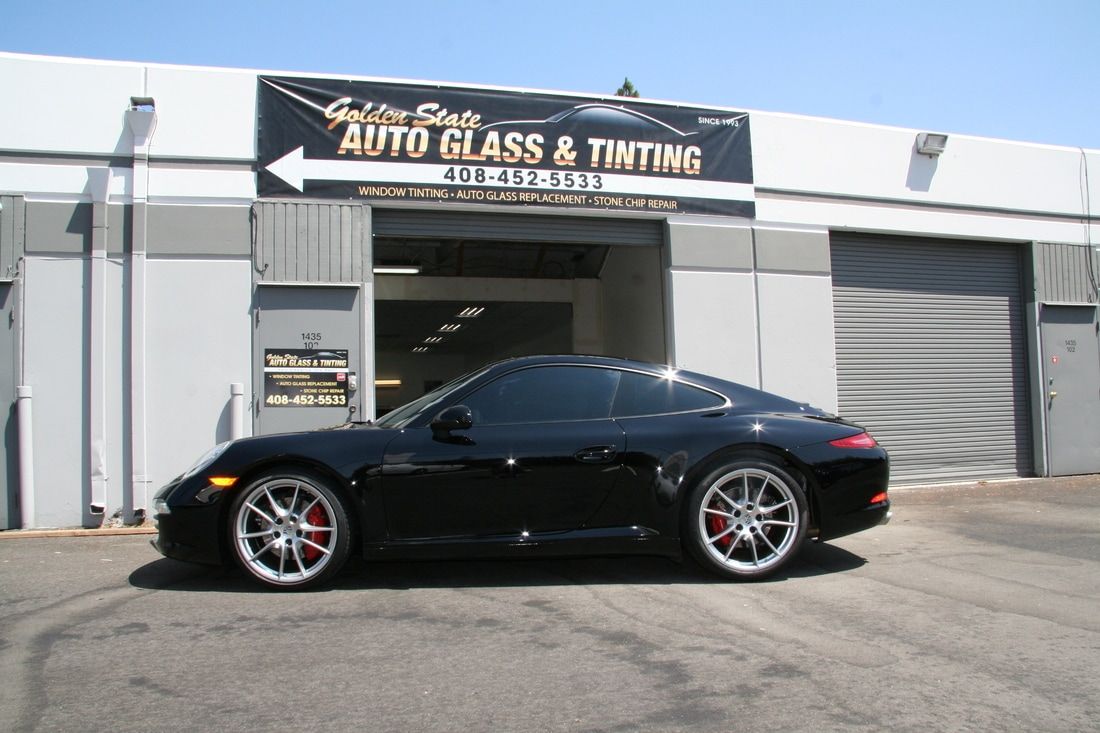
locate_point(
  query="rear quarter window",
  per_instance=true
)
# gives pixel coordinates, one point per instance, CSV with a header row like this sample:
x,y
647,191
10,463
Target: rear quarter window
x,y
644,394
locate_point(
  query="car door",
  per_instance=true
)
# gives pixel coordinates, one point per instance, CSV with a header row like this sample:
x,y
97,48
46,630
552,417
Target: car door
x,y
562,447
541,456
457,485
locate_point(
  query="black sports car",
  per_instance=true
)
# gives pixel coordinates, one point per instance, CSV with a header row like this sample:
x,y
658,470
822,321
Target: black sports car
x,y
535,456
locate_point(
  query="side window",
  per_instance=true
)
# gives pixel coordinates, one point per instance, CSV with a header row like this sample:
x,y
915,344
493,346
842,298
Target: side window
x,y
545,394
643,394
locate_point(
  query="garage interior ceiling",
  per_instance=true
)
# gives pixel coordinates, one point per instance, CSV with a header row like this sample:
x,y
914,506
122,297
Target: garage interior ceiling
x,y
474,258
402,325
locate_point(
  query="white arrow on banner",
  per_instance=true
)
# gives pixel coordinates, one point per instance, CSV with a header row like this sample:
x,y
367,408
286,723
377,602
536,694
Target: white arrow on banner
x,y
294,168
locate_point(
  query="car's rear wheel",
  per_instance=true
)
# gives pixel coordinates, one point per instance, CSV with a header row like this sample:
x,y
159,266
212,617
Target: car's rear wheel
x,y
747,519
289,529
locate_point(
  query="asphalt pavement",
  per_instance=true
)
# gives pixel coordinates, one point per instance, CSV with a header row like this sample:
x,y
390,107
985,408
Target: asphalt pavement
x,y
977,608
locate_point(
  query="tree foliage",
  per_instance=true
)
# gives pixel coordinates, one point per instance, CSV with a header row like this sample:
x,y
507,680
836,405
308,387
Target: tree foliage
x,y
627,89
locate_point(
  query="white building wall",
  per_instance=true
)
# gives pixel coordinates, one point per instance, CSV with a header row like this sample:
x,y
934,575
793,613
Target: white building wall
x,y
199,342
711,291
830,173
204,113
56,337
848,175
795,314
53,353
797,355
714,324
876,162
64,105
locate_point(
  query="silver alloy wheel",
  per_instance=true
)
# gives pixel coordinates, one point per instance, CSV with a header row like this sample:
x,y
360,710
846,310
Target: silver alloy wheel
x,y
749,520
285,531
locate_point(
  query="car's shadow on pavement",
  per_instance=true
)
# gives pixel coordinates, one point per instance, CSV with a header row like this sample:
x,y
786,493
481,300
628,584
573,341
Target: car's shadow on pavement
x,y
816,559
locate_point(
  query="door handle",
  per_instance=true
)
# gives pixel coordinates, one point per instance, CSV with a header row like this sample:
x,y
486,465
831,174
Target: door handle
x,y
596,454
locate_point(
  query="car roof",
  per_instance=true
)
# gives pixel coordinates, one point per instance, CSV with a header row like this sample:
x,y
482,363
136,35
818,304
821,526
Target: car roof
x,y
739,394
578,359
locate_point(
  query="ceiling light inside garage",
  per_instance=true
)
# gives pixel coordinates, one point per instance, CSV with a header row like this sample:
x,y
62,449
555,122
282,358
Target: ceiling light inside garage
x,y
397,269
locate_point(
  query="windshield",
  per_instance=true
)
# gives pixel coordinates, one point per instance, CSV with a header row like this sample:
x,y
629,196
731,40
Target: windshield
x,y
403,415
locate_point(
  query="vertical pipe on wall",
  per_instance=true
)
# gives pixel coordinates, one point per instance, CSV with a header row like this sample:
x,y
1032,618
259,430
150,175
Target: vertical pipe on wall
x,y
99,180
142,121
25,418
24,414
236,410
756,313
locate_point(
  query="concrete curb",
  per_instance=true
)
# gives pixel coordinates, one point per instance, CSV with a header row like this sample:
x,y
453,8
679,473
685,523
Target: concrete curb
x,y
35,534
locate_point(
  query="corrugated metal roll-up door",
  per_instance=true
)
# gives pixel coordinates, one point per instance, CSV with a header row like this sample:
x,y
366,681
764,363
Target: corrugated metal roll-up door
x,y
517,227
307,241
932,354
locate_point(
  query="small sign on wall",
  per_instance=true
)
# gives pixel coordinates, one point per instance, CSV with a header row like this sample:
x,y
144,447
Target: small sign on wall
x,y
305,378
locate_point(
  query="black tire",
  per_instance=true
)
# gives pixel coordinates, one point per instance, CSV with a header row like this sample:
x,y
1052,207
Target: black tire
x,y
289,530
746,519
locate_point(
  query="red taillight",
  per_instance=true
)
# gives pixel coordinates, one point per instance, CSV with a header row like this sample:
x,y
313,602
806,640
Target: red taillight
x,y
862,440
879,498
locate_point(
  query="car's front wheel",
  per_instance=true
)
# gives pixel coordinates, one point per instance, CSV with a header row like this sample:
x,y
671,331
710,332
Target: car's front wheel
x,y
290,530
747,519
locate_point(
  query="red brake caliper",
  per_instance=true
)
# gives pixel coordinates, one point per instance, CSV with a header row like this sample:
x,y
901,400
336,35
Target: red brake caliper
x,y
317,518
717,525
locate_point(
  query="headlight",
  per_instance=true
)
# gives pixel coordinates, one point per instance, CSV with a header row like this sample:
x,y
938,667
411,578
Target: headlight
x,y
209,457
160,506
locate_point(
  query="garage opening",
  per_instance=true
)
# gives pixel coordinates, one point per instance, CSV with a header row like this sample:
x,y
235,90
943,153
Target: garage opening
x,y
454,292
420,345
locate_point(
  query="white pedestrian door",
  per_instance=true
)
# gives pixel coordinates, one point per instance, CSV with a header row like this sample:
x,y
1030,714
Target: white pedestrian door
x,y
1071,366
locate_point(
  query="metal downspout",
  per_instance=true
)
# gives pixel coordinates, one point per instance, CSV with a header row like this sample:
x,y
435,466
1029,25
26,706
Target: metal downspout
x,y
99,180
236,410
24,407
142,121
25,416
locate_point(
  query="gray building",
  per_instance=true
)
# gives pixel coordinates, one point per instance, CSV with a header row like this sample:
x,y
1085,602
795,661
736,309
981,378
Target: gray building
x,y
194,255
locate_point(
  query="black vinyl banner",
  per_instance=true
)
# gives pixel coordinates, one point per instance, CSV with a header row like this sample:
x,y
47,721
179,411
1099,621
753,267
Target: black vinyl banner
x,y
380,141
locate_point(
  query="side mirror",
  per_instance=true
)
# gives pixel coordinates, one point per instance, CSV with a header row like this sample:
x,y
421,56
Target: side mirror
x,y
456,417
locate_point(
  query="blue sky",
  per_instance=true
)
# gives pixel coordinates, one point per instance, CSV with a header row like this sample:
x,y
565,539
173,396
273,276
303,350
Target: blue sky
x,y
1010,69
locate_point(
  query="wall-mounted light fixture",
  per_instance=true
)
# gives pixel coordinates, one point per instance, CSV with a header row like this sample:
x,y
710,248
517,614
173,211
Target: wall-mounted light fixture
x,y
931,143
397,269
387,383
